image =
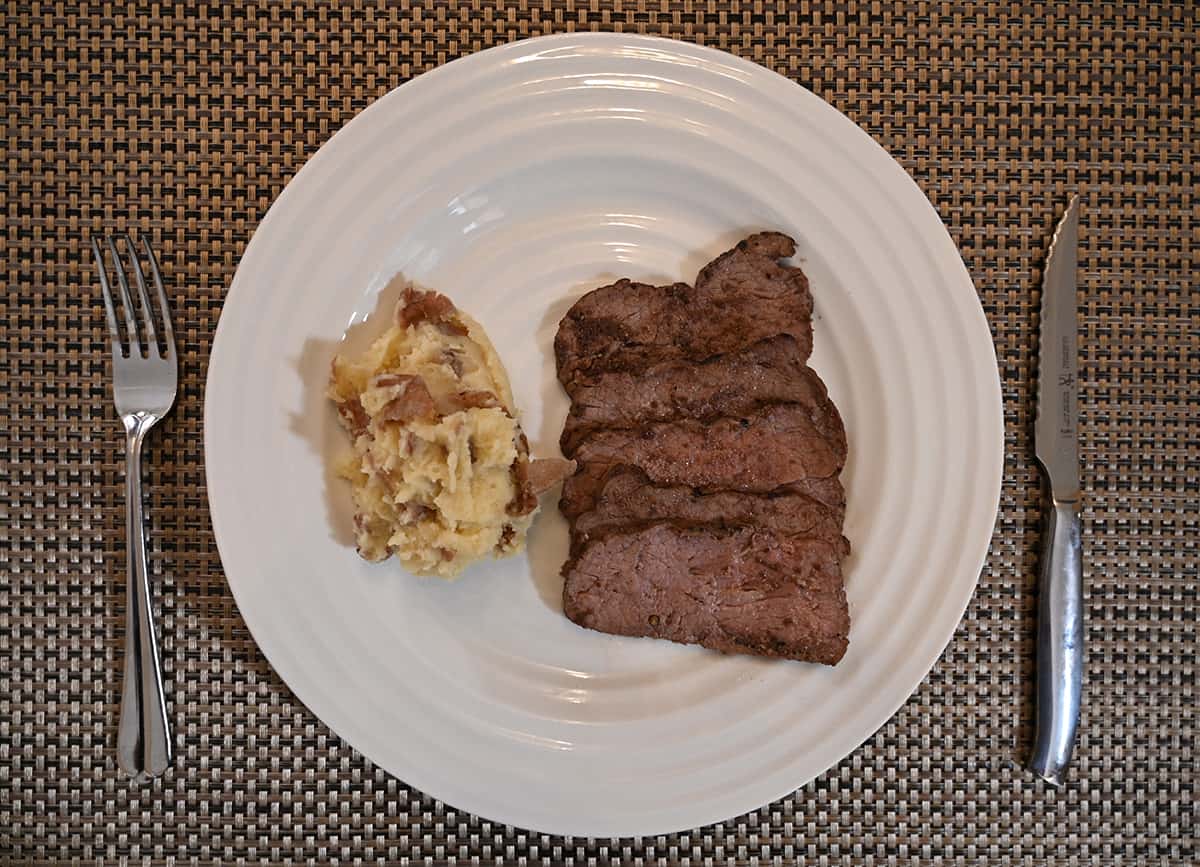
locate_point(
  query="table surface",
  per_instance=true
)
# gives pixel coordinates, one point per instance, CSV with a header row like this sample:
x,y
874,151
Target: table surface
x,y
185,120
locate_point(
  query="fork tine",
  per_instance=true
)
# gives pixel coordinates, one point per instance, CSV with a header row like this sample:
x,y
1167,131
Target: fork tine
x,y
147,310
168,331
130,323
109,313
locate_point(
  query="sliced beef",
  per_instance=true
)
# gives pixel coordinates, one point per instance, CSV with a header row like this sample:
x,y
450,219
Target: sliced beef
x,y
627,497
706,506
778,444
743,296
769,371
742,590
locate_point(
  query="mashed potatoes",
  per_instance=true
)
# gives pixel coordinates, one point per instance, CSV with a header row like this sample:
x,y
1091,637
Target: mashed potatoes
x,y
440,469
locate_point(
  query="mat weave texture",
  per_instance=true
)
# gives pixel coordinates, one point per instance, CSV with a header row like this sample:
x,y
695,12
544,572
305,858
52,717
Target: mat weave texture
x,y
185,120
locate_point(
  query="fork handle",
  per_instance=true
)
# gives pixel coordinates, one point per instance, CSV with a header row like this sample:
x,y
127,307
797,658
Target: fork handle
x,y
143,735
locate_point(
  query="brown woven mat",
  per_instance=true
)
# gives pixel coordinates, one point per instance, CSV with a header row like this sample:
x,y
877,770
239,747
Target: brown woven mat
x,y
188,118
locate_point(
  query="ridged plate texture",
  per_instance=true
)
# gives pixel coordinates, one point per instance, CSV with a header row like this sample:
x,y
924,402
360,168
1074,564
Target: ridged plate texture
x,y
514,180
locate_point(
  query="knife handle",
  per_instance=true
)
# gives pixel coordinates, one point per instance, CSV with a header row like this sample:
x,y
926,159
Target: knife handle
x,y
1059,643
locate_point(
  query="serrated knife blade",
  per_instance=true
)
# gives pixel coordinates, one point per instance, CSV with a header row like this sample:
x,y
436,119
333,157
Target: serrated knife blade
x,y
1056,432
1056,442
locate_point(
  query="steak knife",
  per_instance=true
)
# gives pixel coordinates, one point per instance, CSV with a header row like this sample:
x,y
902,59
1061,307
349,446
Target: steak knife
x,y
1060,586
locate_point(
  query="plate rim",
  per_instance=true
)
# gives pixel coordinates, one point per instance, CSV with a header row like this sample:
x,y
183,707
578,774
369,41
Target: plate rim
x,y
514,816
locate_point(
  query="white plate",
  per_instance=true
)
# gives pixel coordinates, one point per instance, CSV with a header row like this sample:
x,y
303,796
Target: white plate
x,y
514,180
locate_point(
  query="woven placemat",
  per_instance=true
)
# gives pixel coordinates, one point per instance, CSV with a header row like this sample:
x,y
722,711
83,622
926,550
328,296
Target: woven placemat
x,y
185,120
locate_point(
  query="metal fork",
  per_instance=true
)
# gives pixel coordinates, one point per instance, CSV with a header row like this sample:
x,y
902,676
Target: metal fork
x,y
145,378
